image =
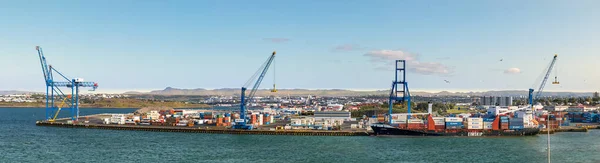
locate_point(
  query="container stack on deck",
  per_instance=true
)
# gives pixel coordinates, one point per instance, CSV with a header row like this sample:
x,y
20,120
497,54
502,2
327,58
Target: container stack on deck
x,y
416,124
440,123
516,123
488,123
504,123
475,123
454,123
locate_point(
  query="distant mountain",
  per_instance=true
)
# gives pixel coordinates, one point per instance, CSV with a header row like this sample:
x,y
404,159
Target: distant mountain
x,y
261,92
342,92
12,92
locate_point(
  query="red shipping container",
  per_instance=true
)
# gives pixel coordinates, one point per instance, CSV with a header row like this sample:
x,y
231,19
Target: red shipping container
x,y
416,126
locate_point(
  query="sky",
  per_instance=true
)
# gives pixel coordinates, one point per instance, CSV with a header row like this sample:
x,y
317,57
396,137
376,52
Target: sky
x,y
448,45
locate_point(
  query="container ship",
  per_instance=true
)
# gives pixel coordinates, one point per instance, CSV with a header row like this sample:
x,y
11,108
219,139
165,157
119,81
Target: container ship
x,y
521,125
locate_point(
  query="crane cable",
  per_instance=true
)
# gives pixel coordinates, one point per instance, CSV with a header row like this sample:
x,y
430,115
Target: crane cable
x,y
274,73
555,74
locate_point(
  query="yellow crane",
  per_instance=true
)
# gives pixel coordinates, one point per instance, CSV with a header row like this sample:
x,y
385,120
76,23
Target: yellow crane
x,y
59,107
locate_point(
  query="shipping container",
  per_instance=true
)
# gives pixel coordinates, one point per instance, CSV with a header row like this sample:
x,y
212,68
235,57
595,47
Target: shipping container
x,y
475,123
448,119
415,121
454,123
489,119
454,127
516,127
475,127
474,119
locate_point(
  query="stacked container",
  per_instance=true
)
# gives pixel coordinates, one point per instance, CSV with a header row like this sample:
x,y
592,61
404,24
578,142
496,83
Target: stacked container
x,y
415,124
208,115
454,123
590,117
439,122
253,119
488,123
219,120
266,119
516,124
576,117
381,118
475,123
504,122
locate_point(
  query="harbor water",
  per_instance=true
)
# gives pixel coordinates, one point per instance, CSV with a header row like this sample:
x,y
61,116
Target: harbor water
x,y
22,141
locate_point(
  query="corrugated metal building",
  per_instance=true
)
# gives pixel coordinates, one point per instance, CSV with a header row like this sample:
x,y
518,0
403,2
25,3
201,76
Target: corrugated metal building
x,y
320,115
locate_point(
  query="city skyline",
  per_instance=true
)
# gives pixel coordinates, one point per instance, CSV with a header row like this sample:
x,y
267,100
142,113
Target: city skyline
x,y
474,46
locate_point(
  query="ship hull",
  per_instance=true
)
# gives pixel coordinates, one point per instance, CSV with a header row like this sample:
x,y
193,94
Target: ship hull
x,y
388,130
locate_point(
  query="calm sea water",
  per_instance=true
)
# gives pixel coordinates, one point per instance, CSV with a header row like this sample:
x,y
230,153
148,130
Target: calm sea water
x,y
22,141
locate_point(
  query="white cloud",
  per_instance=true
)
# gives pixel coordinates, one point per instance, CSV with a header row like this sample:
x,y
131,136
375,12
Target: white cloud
x,y
413,64
347,47
512,71
386,55
277,40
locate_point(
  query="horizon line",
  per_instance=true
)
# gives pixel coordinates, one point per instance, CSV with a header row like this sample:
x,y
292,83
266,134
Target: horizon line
x,y
115,91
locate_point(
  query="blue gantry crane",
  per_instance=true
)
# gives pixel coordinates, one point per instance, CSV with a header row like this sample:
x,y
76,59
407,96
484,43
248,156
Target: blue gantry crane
x,y
260,73
54,93
547,71
399,92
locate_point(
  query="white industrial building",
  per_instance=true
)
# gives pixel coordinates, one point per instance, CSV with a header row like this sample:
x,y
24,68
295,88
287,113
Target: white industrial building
x,y
343,115
497,101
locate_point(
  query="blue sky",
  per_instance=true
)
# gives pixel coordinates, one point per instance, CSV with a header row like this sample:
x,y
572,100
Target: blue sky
x,y
146,45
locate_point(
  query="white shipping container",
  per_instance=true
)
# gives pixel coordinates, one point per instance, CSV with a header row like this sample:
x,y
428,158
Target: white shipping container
x,y
474,127
438,119
415,121
399,117
453,119
474,123
398,121
474,119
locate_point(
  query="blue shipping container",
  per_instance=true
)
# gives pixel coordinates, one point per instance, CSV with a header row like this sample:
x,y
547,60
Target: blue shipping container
x,y
454,123
515,127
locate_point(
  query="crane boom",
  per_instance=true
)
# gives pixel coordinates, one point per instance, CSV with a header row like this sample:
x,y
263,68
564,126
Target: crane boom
x,y
265,68
262,71
541,89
